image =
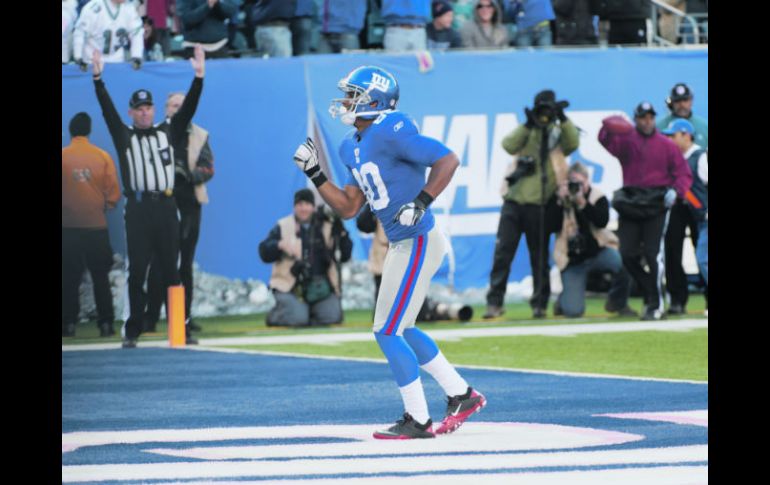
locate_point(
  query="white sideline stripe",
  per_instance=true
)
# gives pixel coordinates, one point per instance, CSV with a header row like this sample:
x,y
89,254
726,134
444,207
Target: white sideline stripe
x,y
698,417
462,366
335,338
260,468
496,436
664,475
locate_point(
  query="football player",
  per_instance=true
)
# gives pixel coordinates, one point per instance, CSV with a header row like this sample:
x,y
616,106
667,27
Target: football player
x,y
386,158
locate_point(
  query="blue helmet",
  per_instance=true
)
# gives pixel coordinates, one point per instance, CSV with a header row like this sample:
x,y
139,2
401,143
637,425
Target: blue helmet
x,y
362,87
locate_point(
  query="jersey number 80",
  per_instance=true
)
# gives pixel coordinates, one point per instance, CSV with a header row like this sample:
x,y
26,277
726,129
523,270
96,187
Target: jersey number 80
x,y
371,183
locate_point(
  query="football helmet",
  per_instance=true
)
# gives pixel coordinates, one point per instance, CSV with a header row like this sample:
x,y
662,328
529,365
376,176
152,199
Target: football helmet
x,y
364,86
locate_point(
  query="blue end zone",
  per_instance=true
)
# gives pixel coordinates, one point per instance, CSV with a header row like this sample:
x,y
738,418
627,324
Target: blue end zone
x,y
163,388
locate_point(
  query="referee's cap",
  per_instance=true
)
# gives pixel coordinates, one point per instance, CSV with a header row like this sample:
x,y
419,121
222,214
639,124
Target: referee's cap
x,y
139,98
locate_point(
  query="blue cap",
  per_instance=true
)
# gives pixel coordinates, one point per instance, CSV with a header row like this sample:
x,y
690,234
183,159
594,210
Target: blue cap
x,y
677,125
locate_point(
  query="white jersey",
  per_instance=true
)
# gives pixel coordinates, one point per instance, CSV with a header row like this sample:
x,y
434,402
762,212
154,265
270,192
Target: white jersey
x,y
69,14
115,29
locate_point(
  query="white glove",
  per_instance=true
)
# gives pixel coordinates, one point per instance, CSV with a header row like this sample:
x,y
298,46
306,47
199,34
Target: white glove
x,y
306,158
669,198
409,214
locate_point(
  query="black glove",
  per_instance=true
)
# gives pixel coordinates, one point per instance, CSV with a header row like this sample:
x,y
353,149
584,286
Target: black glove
x,y
559,109
530,118
83,65
183,172
136,63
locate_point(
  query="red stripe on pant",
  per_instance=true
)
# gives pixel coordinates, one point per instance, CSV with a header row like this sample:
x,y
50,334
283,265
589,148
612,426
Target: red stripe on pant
x,y
415,264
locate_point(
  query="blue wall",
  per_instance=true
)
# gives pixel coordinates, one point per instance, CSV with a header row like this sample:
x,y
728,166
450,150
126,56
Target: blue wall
x,y
259,110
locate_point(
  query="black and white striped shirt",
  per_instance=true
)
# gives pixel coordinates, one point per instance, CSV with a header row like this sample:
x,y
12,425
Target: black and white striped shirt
x,y
146,155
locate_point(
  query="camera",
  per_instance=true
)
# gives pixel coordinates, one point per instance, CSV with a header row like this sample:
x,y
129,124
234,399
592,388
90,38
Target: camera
x,y
574,187
433,311
302,271
576,245
544,113
524,168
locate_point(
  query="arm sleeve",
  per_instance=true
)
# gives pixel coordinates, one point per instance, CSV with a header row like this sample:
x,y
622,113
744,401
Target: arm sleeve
x,y
599,213
570,138
79,36
204,166
614,143
111,186
703,168
111,116
268,249
680,170
515,141
410,145
191,15
137,37
183,117
227,8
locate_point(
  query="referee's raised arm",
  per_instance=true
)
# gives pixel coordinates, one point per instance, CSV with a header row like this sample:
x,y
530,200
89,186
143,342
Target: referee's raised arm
x,y
111,116
184,116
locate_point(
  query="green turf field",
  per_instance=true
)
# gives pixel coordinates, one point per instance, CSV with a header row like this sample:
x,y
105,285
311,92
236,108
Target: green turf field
x,y
672,355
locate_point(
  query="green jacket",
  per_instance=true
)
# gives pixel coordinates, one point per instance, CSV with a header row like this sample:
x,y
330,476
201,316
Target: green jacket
x,y
526,142
700,124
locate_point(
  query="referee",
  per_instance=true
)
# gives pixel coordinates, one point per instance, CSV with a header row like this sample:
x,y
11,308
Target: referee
x,y
146,158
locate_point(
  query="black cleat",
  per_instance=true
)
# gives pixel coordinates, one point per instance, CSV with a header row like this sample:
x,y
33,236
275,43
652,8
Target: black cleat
x,y
459,408
129,343
406,429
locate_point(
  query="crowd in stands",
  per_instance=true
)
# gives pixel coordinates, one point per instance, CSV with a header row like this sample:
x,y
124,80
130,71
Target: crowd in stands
x,y
284,28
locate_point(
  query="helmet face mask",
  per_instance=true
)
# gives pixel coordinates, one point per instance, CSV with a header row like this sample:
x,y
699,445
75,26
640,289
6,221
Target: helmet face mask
x,y
369,91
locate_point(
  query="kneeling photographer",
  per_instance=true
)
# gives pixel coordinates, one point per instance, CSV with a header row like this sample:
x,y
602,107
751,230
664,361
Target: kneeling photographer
x,y
306,249
584,245
540,145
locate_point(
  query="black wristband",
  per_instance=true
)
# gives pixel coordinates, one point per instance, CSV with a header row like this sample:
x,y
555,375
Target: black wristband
x,y
423,199
319,179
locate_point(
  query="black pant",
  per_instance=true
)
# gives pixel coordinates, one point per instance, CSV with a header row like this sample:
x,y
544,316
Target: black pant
x,y
515,220
644,238
85,248
676,280
189,229
152,234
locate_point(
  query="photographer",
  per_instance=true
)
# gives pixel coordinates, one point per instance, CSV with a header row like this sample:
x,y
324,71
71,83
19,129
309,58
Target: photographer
x,y
542,144
584,245
306,249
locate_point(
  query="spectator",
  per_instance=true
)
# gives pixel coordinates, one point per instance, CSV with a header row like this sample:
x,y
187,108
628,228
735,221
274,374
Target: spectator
x,y
272,34
682,132
204,22
533,26
69,15
152,224
114,28
530,199
194,168
654,172
575,22
463,12
585,245
681,217
668,23
159,11
89,187
152,49
341,24
405,25
679,104
305,279
627,19
440,33
302,27
486,29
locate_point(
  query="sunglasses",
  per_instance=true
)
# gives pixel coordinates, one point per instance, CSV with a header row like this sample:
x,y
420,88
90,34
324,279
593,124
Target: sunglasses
x,y
483,5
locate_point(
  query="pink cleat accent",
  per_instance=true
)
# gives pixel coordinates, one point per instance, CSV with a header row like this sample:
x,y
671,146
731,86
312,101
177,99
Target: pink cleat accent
x,y
459,409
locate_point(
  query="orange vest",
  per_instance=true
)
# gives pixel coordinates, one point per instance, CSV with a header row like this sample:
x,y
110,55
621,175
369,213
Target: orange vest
x,y
89,184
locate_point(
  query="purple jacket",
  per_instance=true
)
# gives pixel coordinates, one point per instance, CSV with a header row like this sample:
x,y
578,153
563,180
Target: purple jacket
x,y
653,161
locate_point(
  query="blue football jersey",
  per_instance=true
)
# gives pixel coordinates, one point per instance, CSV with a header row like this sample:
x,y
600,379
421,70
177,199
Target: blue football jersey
x,y
387,161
